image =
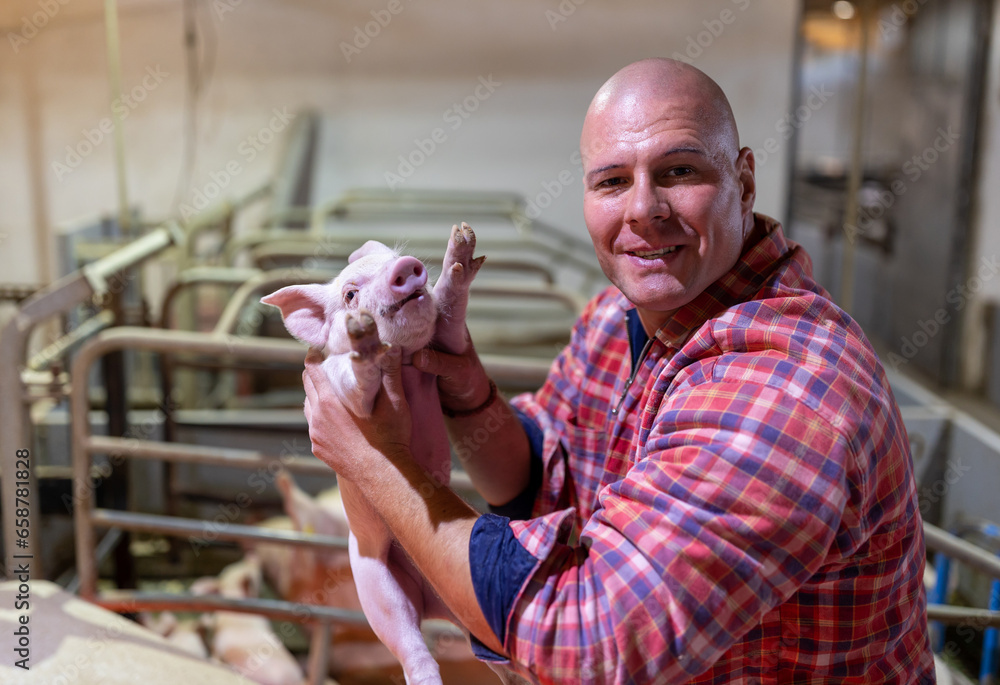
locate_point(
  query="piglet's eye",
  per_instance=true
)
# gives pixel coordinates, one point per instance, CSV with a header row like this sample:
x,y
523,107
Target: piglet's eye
x,y
349,296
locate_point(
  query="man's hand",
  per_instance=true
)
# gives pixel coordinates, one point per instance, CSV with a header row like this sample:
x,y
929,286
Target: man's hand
x,y
344,441
499,463
462,380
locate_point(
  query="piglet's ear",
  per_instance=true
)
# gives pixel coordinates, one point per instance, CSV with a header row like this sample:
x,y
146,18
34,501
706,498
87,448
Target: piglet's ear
x,y
370,247
303,307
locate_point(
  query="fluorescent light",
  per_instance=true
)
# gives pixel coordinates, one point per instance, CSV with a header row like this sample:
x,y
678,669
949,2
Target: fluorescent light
x,y
843,9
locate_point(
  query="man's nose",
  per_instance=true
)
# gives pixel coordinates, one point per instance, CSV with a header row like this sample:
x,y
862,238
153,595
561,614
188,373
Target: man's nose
x,y
645,203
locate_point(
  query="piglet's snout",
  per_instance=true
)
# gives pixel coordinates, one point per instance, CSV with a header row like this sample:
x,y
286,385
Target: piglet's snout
x,y
407,276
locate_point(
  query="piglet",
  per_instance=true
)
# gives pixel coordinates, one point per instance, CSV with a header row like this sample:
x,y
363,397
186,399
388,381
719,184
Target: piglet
x,y
381,298
311,576
246,641
184,634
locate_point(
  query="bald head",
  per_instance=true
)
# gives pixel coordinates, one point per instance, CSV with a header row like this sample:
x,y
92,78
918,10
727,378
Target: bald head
x,y
667,192
626,99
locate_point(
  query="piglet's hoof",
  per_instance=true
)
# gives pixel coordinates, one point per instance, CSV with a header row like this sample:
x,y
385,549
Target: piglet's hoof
x,y
458,261
365,343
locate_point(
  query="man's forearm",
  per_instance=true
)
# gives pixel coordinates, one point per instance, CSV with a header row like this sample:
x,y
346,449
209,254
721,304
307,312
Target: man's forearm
x,y
433,529
493,449
486,435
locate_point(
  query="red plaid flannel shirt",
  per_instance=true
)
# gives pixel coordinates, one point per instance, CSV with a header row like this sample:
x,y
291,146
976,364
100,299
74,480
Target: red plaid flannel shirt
x,y
744,511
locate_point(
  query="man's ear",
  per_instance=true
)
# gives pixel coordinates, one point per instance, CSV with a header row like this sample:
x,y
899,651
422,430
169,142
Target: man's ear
x,y
303,307
745,171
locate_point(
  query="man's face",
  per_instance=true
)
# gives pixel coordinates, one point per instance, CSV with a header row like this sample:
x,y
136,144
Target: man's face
x,y
666,203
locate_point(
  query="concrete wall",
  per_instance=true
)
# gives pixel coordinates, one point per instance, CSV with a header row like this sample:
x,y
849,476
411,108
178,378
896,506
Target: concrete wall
x,y
262,57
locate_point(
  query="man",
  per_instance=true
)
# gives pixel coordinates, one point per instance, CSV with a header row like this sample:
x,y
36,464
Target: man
x,y
714,483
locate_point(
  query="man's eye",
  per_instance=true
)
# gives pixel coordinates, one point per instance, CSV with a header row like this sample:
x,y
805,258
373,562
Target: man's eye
x,y
680,171
349,295
609,182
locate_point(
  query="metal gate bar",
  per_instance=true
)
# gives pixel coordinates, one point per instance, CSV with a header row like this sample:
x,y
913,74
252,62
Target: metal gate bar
x,y
233,532
226,349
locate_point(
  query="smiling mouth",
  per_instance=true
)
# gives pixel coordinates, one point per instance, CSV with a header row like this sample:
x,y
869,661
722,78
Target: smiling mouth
x,y
393,308
653,254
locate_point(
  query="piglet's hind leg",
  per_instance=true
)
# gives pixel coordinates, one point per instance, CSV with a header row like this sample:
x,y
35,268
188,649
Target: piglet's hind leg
x,y
392,602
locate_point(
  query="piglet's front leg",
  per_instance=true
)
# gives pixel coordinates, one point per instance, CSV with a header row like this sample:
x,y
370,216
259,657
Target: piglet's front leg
x,y
452,289
358,375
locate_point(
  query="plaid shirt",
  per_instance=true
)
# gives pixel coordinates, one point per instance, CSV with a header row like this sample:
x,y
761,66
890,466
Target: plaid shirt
x,y
743,510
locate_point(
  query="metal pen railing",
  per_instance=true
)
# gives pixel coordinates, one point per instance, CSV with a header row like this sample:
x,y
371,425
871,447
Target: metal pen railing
x,y
94,279
939,540
87,517
951,547
57,298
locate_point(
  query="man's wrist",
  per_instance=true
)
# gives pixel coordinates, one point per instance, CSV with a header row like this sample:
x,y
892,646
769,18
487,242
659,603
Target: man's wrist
x,y
472,409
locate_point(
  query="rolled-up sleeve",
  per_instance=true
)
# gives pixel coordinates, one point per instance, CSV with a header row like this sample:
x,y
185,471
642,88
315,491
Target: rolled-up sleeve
x,y
501,564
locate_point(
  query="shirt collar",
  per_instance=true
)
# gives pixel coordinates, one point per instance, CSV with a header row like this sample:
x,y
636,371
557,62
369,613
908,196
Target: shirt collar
x,y
766,249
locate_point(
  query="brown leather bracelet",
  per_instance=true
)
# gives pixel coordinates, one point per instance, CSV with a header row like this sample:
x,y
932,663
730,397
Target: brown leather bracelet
x,y
466,413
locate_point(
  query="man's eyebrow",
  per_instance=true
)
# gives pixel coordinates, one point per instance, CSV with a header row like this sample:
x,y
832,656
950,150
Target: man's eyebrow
x,y
678,150
668,153
601,170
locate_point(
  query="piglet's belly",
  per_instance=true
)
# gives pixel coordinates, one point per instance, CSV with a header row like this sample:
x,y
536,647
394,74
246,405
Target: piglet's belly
x,y
429,440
